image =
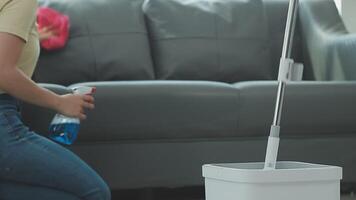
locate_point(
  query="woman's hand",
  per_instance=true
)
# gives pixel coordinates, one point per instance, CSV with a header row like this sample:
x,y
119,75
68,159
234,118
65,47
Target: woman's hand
x,y
47,32
74,105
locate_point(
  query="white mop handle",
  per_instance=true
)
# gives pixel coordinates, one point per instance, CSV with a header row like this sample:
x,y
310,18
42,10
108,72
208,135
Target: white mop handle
x,y
272,148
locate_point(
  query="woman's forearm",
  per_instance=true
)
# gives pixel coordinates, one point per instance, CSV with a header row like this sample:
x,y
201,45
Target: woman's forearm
x,y
16,83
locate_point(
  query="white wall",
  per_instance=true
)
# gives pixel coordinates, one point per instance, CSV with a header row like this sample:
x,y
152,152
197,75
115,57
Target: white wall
x,y
348,12
338,5
347,9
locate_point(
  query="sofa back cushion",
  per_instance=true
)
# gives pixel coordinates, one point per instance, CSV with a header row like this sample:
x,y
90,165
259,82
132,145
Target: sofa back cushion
x,y
209,39
108,41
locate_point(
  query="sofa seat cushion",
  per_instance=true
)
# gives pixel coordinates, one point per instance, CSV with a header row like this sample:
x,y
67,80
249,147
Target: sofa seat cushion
x,y
311,108
160,110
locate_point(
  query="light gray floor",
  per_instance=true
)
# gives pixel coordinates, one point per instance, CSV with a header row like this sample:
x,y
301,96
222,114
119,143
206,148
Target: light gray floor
x,y
171,194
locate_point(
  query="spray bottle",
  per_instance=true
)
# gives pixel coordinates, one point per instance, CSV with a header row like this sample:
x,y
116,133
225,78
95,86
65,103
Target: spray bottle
x,y
65,129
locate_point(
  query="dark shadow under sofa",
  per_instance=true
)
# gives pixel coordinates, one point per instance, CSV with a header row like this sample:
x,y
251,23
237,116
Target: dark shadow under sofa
x,y
183,83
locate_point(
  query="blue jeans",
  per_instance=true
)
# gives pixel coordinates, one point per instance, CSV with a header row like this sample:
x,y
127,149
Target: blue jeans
x,y
35,168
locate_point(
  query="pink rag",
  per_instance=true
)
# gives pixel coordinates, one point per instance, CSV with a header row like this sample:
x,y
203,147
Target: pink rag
x,y
48,17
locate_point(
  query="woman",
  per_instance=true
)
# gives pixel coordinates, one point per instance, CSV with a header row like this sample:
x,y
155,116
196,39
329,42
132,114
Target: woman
x,y
33,167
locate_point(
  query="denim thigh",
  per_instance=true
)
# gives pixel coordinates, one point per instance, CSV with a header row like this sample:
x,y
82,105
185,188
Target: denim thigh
x,y
31,159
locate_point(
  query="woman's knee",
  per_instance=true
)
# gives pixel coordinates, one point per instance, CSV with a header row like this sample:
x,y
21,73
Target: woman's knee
x,y
105,191
100,191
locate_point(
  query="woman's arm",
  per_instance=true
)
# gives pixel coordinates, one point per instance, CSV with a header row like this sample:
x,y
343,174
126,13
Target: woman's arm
x,y
16,83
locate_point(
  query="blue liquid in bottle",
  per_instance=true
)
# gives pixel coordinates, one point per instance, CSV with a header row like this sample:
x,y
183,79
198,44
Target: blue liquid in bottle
x,y
64,129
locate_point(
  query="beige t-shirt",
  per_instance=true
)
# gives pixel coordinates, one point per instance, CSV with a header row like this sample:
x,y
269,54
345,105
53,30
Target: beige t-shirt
x,y
18,17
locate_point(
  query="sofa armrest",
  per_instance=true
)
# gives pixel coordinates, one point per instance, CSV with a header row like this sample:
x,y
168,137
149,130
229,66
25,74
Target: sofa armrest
x,y
330,47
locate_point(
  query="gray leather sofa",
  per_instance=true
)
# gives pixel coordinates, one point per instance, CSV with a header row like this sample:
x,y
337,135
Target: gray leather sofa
x,y
183,83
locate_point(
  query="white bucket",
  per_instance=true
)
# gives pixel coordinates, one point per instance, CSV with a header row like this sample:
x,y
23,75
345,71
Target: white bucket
x,y
289,181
